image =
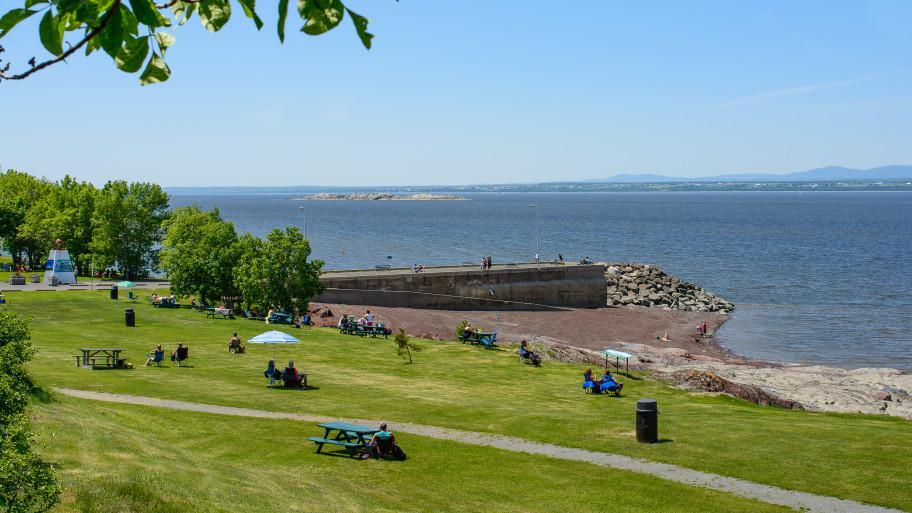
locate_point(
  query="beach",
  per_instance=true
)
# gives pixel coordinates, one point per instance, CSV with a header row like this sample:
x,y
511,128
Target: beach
x,y
581,334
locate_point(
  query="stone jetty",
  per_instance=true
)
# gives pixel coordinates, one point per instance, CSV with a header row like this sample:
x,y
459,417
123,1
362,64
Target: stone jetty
x,y
647,285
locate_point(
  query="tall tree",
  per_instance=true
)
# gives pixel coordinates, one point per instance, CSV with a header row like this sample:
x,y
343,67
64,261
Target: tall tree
x,y
64,213
199,253
18,193
276,273
131,31
127,226
27,483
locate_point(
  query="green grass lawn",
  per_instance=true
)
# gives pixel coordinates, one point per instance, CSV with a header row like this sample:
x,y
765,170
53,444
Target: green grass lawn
x,y
118,458
864,458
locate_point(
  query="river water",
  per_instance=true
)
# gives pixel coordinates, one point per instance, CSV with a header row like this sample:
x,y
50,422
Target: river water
x,y
821,277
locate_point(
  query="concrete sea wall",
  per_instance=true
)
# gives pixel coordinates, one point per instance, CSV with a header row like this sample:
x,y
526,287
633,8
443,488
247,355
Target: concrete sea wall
x,y
514,287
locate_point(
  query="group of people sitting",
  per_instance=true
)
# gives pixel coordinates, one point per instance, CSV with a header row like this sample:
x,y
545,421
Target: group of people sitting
x,y
290,377
157,354
417,268
365,320
605,385
163,300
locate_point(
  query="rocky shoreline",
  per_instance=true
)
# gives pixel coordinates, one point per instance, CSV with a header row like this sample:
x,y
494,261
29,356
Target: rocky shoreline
x,y
647,285
380,196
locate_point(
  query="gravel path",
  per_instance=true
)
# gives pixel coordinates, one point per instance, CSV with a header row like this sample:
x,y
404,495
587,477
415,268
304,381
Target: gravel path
x,y
769,494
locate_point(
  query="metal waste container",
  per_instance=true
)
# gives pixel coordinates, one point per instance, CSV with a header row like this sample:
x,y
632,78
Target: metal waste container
x,y
647,421
130,317
114,292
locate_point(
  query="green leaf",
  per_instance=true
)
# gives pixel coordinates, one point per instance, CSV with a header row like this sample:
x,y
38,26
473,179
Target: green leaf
x,y
147,14
320,16
112,35
283,14
361,23
183,11
32,3
130,23
132,55
156,72
249,7
92,45
165,41
214,14
50,32
12,18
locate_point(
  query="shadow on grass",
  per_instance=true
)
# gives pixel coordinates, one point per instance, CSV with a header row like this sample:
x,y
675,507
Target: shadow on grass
x,y
293,389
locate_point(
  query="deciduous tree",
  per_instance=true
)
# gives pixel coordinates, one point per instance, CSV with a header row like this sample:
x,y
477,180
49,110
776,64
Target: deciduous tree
x,y
276,272
199,253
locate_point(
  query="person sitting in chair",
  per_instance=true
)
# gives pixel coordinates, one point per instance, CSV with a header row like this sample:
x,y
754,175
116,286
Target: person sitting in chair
x,y
272,373
525,352
291,376
179,354
608,384
155,355
235,346
383,445
589,382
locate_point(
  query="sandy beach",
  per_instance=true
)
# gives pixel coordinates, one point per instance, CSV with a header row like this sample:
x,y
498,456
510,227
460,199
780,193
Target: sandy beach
x,y
682,359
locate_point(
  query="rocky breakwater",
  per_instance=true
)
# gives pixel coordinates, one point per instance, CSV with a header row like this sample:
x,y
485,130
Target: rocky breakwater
x,y
647,285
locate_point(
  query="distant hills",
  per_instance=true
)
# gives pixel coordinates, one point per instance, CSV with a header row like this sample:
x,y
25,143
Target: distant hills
x,y
823,174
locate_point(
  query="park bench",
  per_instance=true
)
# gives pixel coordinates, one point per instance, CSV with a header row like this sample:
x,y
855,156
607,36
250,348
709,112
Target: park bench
x,y
352,447
352,437
279,318
382,267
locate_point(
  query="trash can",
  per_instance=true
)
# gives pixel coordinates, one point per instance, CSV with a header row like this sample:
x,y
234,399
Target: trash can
x,y
130,317
114,292
647,421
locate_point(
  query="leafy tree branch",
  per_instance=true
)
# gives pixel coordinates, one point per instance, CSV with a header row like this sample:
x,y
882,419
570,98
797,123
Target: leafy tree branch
x,y
114,26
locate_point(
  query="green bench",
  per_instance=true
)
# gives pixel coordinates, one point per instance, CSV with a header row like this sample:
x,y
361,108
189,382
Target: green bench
x,y
352,447
351,437
485,339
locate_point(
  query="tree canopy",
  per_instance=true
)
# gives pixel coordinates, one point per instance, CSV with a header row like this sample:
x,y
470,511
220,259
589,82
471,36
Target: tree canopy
x,y
276,272
127,223
199,253
132,32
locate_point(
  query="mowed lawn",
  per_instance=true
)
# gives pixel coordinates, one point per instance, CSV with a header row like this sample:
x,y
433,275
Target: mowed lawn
x,y
864,458
120,458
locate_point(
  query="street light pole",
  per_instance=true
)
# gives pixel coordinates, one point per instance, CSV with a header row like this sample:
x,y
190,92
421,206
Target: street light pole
x,y
537,236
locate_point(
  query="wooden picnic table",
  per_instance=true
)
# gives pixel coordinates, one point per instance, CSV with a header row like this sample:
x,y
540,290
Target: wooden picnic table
x,y
100,357
224,313
352,437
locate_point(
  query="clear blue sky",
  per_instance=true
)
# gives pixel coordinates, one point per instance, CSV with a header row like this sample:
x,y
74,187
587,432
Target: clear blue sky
x,y
475,91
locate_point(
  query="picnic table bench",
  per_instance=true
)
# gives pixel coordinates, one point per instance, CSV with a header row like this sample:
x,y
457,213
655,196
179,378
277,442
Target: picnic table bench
x,y
99,358
479,337
362,330
224,313
352,437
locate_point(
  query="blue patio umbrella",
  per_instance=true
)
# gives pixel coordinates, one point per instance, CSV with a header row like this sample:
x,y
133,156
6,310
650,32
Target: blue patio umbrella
x,y
274,338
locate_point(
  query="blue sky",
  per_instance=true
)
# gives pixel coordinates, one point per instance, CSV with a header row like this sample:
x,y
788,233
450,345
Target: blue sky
x,y
476,91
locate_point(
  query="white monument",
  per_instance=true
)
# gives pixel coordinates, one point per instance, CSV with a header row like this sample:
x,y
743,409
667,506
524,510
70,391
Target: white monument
x,y
59,268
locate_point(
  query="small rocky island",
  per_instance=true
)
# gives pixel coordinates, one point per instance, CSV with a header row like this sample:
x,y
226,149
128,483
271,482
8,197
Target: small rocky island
x,y
380,196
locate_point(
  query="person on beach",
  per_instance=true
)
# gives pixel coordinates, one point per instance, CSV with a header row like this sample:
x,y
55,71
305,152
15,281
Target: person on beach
x,y
664,338
703,329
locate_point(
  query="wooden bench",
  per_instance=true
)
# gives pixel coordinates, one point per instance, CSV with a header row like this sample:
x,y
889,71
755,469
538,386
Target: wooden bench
x,y
222,314
352,447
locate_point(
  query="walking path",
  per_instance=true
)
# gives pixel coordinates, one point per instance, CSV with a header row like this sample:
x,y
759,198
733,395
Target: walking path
x,y
770,494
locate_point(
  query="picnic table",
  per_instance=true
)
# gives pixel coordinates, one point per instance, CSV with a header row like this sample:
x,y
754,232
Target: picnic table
x,y
352,437
100,358
363,330
224,313
479,337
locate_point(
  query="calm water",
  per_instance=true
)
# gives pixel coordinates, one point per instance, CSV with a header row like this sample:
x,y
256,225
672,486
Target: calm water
x,y
816,277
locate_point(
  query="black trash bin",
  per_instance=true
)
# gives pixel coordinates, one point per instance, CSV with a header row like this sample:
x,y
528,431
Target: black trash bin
x,y
114,292
130,317
647,421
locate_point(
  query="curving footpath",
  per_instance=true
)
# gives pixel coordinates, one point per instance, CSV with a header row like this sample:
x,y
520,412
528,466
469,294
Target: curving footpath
x,y
802,501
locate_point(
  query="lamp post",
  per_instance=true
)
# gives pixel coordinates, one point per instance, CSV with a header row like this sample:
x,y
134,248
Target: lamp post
x,y
537,236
